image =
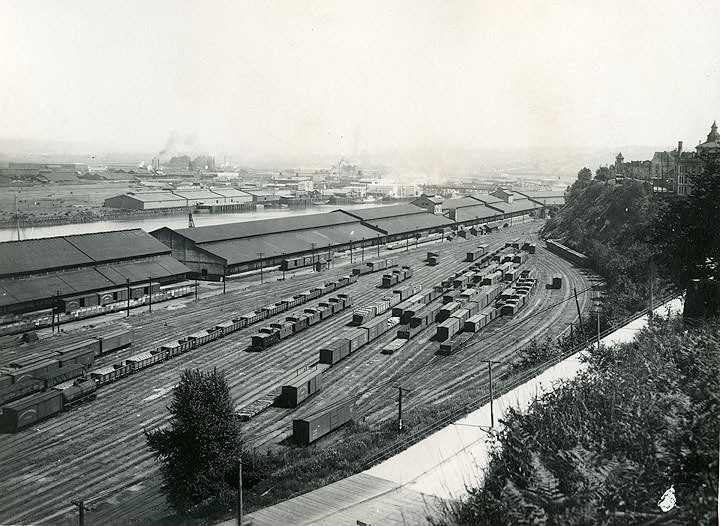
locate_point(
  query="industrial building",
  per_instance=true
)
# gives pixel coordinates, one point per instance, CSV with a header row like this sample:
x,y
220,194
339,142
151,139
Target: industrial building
x,y
214,252
85,270
215,198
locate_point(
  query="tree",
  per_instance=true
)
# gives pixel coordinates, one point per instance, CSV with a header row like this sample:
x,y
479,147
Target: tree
x,y
603,174
585,174
202,443
687,231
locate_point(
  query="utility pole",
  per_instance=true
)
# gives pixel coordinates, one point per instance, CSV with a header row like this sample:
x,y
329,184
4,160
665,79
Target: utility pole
x,y
260,255
282,265
196,289
224,279
56,304
362,248
577,304
652,281
150,293
127,282
378,245
351,255
400,422
313,255
81,509
239,492
492,414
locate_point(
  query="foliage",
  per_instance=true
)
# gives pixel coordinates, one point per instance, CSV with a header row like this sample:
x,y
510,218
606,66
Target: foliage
x,y
584,175
202,443
612,225
687,232
603,448
603,173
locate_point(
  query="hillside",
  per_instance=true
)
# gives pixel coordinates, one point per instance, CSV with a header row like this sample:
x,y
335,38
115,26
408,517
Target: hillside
x,y
603,448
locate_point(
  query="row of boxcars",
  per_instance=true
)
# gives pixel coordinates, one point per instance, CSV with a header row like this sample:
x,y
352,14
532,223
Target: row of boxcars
x,y
396,276
571,255
374,266
42,383
41,405
478,287
404,243
299,321
303,261
412,306
376,308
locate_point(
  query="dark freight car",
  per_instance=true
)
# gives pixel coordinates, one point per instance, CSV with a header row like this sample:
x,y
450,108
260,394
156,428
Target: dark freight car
x,y
116,339
309,428
334,351
29,410
298,389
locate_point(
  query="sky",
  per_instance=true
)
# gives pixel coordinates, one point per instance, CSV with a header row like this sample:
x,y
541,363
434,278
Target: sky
x,y
354,78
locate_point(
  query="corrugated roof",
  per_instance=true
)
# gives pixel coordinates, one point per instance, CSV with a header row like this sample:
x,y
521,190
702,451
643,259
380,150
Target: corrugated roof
x,y
236,251
87,280
518,205
409,223
230,192
480,211
542,193
381,212
195,194
121,244
33,255
459,202
152,197
228,231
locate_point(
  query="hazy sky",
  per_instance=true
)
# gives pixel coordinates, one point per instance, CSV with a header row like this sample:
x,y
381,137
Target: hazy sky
x,y
334,77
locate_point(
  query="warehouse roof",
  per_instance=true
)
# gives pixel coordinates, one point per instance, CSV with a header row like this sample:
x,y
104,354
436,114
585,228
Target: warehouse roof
x,y
87,280
459,202
518,205
409,223
122,244
34,255
230,192
235,251
195,194
556,197
17,257
480,211
228,231
380,212
151,197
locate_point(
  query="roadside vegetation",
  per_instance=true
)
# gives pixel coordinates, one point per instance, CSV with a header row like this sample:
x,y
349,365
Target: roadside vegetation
x,y
605,447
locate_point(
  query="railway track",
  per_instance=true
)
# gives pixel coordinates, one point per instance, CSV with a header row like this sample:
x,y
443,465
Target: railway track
x,y
97,452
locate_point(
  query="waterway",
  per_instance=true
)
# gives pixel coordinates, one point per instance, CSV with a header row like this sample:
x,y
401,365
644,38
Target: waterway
x,y
178,221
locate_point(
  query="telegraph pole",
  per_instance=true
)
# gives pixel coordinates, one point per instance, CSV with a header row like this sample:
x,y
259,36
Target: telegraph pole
x,y
351,255
260,255
313,255
282,265
239,496
81,509
378,245
400,422
577,304
362,248
127,282
150,293
196,289
492,413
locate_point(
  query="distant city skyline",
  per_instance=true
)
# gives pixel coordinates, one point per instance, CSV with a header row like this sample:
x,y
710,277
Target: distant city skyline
x,y
315,79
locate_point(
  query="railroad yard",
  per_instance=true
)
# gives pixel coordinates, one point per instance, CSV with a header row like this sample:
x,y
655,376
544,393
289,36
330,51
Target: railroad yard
x,y
97,452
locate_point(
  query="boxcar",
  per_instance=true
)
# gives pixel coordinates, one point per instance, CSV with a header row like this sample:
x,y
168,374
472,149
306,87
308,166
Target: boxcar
x,y
299,388
31,409
335,351
310,427
114,340
12,392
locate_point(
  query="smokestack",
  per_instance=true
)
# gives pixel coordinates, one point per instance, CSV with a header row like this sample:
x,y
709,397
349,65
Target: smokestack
x,y
679,147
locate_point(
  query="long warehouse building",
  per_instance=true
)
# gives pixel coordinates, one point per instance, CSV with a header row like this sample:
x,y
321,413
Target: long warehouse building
x,y
83,270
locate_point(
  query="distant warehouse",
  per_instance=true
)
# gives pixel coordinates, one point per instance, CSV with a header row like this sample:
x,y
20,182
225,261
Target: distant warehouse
x,y
83,270
222,250
218,197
